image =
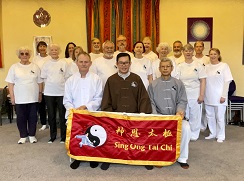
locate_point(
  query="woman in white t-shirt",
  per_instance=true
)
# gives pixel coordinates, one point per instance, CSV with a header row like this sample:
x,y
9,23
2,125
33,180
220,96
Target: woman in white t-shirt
x,y
72,67
193,75
53,72
40,59
141,65
25,88
69,52
217,85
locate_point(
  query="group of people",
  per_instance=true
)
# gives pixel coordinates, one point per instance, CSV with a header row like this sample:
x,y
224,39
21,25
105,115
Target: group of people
x,y
192,86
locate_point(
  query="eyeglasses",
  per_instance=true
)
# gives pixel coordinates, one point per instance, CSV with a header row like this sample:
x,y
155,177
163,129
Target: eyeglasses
x,y
123,63
26,54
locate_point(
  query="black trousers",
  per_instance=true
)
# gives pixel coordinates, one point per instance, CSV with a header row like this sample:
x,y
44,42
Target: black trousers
x,y
42,111
26,119
54,102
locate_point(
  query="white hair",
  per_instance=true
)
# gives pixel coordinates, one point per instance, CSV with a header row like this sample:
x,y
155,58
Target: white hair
x,y
164,44
24,48
54,45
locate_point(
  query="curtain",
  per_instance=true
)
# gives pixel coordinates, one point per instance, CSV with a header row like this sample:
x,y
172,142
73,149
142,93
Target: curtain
x,y
135,19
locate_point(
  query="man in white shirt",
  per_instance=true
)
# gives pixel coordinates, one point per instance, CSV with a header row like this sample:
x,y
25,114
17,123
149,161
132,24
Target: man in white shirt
x,y
199,57
105,66
203,60
177,49
83,91
148,52
96,45
121,44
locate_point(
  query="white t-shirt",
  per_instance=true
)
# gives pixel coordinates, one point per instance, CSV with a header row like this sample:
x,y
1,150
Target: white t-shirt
x,y
117,52
151,56
157,73
71,69
143,68
104,68
178,60
95,56
190,75
53,72
68,60
217,75
86,91
204,60
40,60
25,79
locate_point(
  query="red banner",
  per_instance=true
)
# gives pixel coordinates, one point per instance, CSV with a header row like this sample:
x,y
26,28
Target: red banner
x,y
137,139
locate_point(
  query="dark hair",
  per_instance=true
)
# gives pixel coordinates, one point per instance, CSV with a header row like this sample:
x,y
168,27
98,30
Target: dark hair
x,y
67,49
142,46
178,41
39,44
122,55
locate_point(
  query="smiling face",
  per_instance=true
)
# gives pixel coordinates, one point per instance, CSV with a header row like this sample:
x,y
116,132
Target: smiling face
x,y
121,43
96,45
214,57
42,49
24,56
71,49
138,49
163,51
188,54
177,47
54,52
147,44
123,64
198,48
108,50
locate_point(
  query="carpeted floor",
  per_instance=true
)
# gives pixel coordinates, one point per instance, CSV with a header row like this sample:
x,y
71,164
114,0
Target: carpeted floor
x,y
209,161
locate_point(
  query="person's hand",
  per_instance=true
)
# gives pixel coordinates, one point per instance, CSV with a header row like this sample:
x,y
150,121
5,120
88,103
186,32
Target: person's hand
x,y
181,113
222,100
40,97
82,108
200,99
12,101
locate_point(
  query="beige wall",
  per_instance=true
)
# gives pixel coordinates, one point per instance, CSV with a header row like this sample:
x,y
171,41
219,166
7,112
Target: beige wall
x,y
68,24
227,28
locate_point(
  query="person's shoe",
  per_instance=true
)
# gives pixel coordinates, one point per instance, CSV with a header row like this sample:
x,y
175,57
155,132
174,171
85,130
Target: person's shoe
x,y
94,164
43,127
209,137
75,164
105,166
184,165
62,140
32,139
149,167
51,140
22,141
220,140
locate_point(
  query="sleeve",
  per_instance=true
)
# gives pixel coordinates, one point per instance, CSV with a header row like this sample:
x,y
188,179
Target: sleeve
x,y
151,96
149,70
67,100
144,103
202,72
95,104
106,104
182,98
39,79
227,74
11,75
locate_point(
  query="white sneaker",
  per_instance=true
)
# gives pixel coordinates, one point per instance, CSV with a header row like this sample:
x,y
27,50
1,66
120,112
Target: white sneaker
x,y
22,141
220,140
32,139
43,127
209,137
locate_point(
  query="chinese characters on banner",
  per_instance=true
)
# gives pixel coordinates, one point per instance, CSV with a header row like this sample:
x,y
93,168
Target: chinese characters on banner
x,y
138,139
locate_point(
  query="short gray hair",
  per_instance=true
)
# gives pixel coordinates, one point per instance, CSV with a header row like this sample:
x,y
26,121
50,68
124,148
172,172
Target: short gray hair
x,y
164,44
54,45
24,48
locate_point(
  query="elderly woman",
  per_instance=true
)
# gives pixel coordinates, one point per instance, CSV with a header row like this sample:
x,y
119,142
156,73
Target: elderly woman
x,y
217,86
193,75
40,59
163,50
25,88
72,68
53,72
141,65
